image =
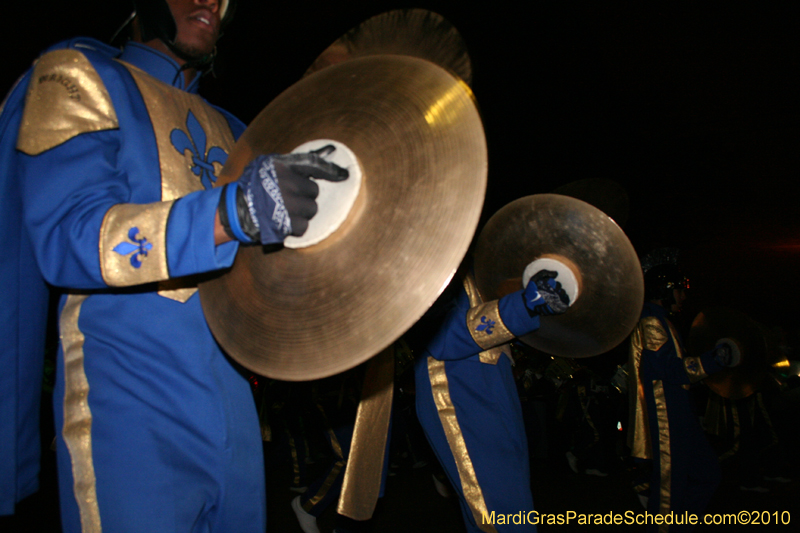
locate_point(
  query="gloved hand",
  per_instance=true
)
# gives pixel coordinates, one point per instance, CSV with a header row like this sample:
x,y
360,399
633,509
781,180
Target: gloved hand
x,y
275,196
544,295
727,353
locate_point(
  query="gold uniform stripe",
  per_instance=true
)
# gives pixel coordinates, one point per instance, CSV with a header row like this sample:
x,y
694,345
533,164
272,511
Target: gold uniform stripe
x,y
65,98
664,451
169,110
473,294
654,336
639,429
116,265
649,334
295,460
674,334
455,439
77,430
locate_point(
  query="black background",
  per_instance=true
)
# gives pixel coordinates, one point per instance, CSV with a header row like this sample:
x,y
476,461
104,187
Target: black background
x,y
692,109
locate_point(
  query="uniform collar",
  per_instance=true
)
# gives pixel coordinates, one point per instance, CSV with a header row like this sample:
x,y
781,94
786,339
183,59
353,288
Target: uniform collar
x,y
158,65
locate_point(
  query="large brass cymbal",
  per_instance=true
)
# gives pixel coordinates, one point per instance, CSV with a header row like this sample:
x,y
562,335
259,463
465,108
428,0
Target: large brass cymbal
x,y
300,314
716,323
611,282
411,32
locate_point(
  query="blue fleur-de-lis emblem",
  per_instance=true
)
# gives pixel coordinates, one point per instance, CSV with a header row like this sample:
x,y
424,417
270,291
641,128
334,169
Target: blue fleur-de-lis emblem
x,y
486,325
195,142
691,365
137,247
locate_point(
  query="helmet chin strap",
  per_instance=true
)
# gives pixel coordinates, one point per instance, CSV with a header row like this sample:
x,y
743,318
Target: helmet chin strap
x,y
203,64
155,21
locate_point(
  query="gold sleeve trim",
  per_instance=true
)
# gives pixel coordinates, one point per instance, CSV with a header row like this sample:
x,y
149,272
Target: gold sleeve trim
x,y
654,336
133,244
694,369
65,98
485,324
664,451
639,430
77,430
473,494
486,327
362,477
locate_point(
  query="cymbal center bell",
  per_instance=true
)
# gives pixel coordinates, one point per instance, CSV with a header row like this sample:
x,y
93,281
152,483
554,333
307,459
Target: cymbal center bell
x,y
335,199
568,273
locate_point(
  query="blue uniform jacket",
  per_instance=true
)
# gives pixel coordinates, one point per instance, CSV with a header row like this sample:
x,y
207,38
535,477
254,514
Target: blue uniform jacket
x,y
114,170
468,405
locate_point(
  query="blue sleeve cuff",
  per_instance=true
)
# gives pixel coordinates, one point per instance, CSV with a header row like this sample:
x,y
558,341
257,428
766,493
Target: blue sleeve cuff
x,y
516,316
190,236
231,191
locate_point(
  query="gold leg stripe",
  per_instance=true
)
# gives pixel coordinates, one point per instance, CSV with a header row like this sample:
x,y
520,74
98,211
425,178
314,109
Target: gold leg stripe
x,y
665,455
466,471
77,430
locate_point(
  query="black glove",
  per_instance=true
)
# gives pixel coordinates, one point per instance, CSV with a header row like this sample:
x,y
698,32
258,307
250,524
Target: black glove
x,y
275,196
544,295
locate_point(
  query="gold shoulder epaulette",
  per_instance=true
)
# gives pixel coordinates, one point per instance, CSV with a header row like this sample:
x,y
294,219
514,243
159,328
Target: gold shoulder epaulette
x,y
654,336
65,98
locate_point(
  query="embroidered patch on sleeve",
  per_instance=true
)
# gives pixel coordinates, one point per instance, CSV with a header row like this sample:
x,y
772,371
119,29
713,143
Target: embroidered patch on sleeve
x,y
694,369
65,98
133,244
486,326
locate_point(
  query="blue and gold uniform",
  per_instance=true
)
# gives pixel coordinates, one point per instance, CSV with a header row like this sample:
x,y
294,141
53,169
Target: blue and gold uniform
x,y
468,405
663,424
116,160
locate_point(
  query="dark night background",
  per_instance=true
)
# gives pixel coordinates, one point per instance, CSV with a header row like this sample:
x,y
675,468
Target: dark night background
x,y
694,109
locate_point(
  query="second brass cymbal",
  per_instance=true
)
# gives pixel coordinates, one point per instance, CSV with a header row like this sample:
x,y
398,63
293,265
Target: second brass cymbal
x,y
410,32
610,276
300,314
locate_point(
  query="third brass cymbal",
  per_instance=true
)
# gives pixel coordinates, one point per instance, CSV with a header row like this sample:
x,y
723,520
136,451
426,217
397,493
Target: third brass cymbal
x,y
610,276
715,323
